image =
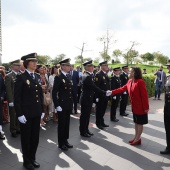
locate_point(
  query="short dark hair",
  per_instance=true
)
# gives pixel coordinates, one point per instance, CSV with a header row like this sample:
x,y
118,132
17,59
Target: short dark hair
x,y
137,72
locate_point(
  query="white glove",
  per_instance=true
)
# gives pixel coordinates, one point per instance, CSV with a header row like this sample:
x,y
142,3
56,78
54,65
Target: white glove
x,y
11,104
108,93
125,92
97,99
114,97
59,109
42,115
22,119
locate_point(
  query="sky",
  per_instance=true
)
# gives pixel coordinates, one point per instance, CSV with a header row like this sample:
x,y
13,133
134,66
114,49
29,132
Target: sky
x,y
53,27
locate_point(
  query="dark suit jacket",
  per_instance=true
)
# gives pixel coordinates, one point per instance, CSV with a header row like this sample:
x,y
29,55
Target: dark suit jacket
x,y
2,87
103,82
62,93
28,96
88,89
115,83
75,79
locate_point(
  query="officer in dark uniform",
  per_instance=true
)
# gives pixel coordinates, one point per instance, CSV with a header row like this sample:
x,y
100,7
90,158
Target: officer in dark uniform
x,y
87,95
124,96
63,101
115,84
103,82
28,102
167,111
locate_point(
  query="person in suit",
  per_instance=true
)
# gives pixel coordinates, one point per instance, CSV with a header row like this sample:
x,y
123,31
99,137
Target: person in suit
x,y
63,102
74,75
139,102
144,71
160,81
124,96
2,93
115,84
79,86
9,83
103,82
87,95
28,102
167,112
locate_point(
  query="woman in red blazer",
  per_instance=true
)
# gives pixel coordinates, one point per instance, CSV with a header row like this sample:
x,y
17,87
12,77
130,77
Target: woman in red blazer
x,y
139,102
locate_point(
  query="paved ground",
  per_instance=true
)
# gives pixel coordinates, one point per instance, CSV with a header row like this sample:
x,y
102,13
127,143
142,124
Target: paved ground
x,y
107,149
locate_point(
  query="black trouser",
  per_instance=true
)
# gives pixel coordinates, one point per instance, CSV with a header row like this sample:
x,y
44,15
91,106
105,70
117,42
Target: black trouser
x,y
85,117
167,122
30,138
1,114
63,125
74,94
100,110
123,103
78,93
114,106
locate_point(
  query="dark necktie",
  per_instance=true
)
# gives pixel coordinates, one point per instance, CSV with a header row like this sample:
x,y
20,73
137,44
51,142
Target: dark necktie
x,y
68,76
32,76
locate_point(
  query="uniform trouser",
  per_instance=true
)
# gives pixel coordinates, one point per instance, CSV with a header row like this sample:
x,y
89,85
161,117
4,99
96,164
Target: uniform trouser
x,y
1,119
85,117
63,125
100,110
167,123
114,106
14,123
158,90
30,138
74,94
78,93
123,103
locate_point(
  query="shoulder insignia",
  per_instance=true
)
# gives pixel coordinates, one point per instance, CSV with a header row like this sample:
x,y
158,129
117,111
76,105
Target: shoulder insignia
x,y
103,77
28,82
64,81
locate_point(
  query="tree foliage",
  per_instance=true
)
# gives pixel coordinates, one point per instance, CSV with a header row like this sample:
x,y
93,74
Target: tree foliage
x,y
160,58
147,57
58,58
116,54
44,59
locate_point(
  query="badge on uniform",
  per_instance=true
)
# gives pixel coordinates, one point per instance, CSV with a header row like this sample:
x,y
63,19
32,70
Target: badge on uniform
x,y
125,77
28,82
64,81
103,77
96,79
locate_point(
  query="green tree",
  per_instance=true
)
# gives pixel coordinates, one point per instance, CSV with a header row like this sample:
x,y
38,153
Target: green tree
x,y
160,58
130,56
105,56
147,57
6,65
116,54
57,59
44,59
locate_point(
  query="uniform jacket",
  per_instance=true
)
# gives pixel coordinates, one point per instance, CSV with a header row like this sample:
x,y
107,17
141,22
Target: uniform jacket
x,y
158,74
28,95
138,95
88,89
62,93
115,83
123,78
2,87
103,82
9,84
75,79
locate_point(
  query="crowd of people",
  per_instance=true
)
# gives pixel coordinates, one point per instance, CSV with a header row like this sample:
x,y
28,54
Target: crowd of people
x,y
32,94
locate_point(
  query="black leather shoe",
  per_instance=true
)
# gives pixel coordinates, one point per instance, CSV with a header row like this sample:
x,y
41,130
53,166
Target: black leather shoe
x,y
124,114
104,125
100,127
29,166
166,151
14,134
63,147
2,136
68,145
35,164
115,120
91,134
85,135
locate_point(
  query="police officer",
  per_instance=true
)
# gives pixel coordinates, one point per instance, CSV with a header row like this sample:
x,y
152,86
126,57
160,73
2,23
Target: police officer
x,y
63,102
124,96
115,84
167,111
87,95
103,82
28,102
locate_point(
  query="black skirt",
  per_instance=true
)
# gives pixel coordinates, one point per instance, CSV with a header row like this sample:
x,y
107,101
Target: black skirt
x,y
140,119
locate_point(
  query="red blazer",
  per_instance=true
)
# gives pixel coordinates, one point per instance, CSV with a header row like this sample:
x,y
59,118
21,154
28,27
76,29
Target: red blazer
x,y
138,95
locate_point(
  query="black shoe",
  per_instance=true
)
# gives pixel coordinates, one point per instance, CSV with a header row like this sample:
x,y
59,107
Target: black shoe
x,y
14,134
18,132
2,136
104,125
115,120
166,151
63,147
29,166
124,114
35,164
91,134
68,145
100,127
85,135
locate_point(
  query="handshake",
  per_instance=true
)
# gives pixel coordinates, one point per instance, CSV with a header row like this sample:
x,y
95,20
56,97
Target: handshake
x,y
108,93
